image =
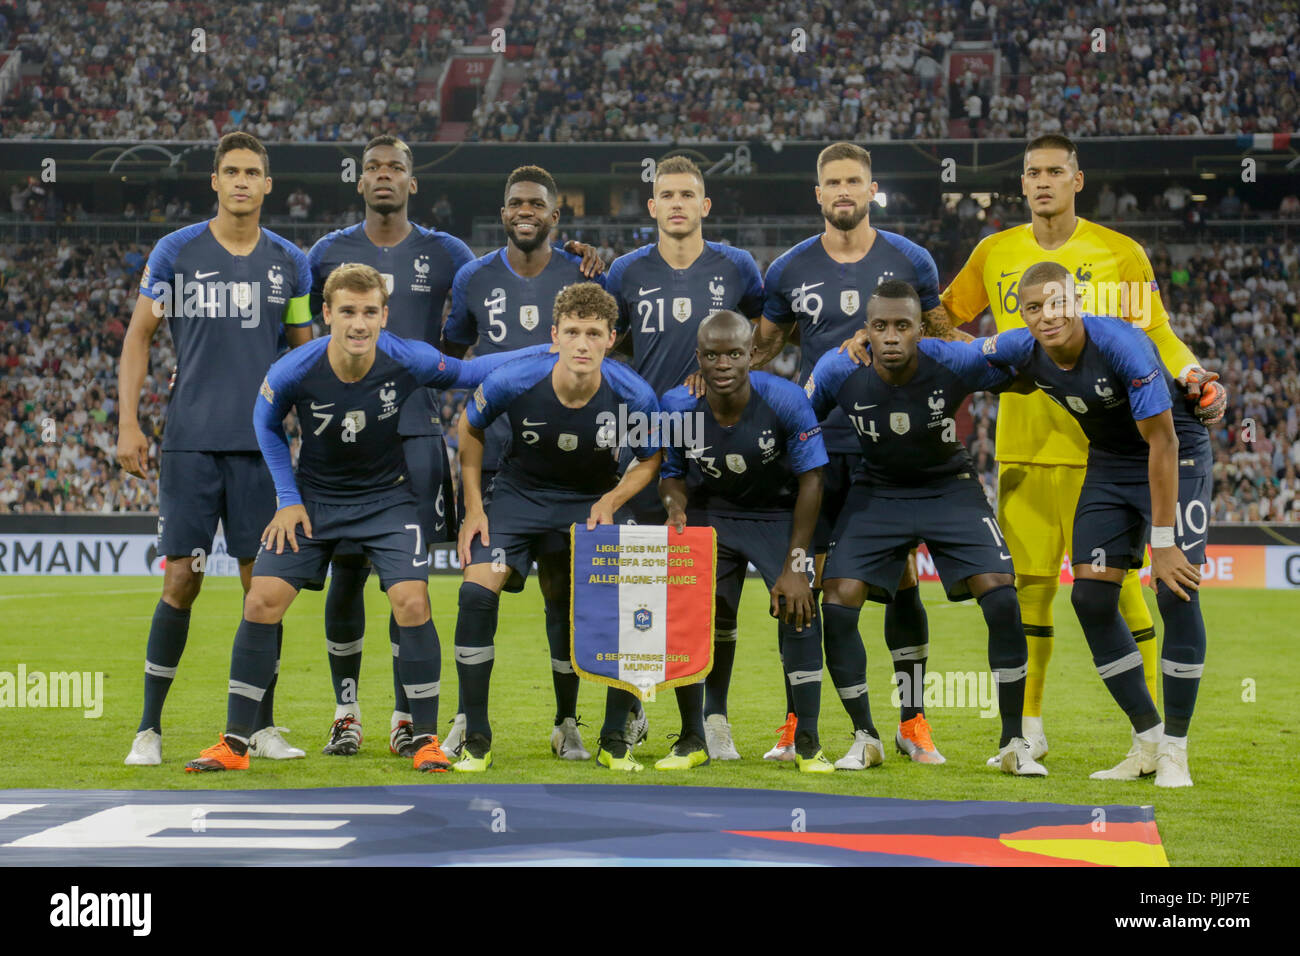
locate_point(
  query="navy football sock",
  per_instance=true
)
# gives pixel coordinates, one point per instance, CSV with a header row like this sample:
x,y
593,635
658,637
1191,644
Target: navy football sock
x,y
252,668
719,679
400,702
420,661
802,663
564,679
1183,658
618,704
690,704
1008,657
907,635
846,659
266,710
167,635
476,626
1114,652
345,629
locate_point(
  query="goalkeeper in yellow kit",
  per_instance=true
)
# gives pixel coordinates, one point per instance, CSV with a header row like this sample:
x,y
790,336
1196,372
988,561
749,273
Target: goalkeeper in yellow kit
x,y
1041,451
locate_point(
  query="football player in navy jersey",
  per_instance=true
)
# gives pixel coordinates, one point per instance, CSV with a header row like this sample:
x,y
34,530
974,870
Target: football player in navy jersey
x,y
418,266
664,290
916,483
754,474
229,290
1149,476
353,484
822,284
561,468
502,301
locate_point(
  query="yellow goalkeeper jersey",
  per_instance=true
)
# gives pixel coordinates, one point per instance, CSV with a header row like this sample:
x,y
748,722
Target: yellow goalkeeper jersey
x,y
1115,277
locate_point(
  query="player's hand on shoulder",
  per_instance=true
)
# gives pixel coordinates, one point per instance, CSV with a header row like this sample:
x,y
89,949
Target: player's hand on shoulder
x,y
1171,566
695,384
132,450
592,263
281,528
792,599
475,523
857,347
1210,397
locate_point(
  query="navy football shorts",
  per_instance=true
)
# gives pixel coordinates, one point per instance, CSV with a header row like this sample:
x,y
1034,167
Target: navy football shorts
x,y
525,524
1113,521
875,534
198,488
837,479
429,470
387,532
741,542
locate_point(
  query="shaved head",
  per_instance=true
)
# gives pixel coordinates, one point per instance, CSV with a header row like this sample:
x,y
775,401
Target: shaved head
x,y
724,323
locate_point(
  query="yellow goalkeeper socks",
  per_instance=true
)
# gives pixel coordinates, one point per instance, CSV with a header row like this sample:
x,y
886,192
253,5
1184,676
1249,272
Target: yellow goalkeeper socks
x,y
1133,608
1036,594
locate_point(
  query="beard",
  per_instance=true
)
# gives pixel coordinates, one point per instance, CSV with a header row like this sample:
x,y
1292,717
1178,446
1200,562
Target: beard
x,y
536,242
846,221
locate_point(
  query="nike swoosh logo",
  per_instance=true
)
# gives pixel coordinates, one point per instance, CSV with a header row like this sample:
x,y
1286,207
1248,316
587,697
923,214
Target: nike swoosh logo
x,y
1192,544
1040,384
528,424
1178,671
1011,273
314,406
1004,557
641,291
861,408
205,275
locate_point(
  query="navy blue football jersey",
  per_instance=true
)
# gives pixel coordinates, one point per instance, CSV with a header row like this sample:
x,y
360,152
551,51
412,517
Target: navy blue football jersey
x,y
226,314
574,449
661,307
907,433
493,305
1118,381
749,469
351,451
829,301
418,273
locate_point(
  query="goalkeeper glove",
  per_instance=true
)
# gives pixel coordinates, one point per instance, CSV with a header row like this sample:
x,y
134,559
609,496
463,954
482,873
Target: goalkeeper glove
x,y
1211,398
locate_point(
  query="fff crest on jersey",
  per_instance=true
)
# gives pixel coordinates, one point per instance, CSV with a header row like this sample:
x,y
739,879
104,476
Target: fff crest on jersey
x,y
899,422
736,463
681,309
643,619
529,316
421,265
276,278
1078,404
849,301
567,441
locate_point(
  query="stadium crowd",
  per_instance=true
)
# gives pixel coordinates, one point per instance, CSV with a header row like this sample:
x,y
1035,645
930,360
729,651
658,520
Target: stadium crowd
x,y
865,70
62,310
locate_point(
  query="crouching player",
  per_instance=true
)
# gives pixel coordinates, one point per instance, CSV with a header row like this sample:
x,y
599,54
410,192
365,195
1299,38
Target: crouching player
x,y
1149,469
348,389
755,476
916,483
561,468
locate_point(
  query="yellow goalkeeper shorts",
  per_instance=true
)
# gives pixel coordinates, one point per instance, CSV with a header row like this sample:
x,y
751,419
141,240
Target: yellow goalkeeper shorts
x,y
1036,505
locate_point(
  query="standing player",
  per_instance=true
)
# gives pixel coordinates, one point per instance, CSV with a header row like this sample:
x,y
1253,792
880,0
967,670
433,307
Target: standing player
x,y
759,486
1149,468
823,284
664,290
354,486
1041,452
228,288
917,483
560,468
418,266
502,302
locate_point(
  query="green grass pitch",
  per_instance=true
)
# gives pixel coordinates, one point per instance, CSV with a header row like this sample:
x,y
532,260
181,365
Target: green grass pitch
x,y
1242,811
